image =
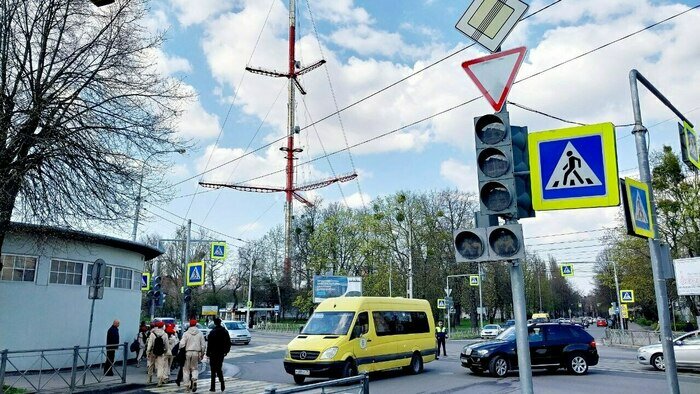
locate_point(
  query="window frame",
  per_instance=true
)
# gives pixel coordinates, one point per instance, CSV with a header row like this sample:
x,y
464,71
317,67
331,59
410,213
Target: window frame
x,y
130,281
83,274
88,275
414,325
36,268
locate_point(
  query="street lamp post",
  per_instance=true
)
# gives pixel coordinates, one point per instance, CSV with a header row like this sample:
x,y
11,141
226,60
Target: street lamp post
x,y
138,197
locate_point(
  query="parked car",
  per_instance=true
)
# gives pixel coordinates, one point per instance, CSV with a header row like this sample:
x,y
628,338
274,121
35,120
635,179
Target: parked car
x,y
508,323
686,347
552,346
491,331
601,323
237,330
203,329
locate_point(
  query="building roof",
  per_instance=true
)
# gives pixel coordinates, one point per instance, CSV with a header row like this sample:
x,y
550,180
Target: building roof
x,y
147,251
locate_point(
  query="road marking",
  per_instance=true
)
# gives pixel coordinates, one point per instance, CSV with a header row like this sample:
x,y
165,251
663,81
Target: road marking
x,y
241,386
237,352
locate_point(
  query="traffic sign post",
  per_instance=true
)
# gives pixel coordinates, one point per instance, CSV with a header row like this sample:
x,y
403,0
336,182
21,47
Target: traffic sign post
x,y
195,274
474,280
637,203
624,311
690,148
217,251
567,270
441,303
627,296
145,281
494,74
574,167
488,22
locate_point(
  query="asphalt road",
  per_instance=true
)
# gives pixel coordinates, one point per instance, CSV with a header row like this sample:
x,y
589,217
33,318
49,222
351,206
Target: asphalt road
x,y
260,365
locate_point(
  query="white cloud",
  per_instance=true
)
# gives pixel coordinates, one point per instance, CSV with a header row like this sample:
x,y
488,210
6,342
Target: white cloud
x,y
340,11
193,12
356,200
459,174
170,65
366,40
195,121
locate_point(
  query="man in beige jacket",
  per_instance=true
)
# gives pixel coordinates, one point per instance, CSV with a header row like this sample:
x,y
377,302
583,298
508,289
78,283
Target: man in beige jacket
x,y
193,342
158,348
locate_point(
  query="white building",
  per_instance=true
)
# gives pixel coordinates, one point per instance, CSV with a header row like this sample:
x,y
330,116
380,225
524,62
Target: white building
x,y
44,285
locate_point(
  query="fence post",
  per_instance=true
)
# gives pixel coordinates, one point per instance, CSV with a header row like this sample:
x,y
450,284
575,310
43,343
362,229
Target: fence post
x,y
126,356
3,363
365,384
73,369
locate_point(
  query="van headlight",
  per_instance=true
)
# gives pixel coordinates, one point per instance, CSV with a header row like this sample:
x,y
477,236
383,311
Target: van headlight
x,y
287,354
329,353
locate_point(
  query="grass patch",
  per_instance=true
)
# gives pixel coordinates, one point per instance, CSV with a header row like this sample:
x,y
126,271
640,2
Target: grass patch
x,y
12,390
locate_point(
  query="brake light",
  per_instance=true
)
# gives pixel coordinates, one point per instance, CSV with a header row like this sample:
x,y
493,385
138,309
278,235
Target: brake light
x,y
593,344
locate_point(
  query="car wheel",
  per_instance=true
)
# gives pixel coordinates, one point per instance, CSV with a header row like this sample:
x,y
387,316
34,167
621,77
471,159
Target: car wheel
x,y
416,365
498,366
657,361
577,364
349,369
299,379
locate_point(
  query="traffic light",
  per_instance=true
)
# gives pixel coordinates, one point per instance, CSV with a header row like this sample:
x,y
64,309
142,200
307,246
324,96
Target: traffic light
x,y
101,3
494,243
470,245
160,301
502,167
188,294
156,287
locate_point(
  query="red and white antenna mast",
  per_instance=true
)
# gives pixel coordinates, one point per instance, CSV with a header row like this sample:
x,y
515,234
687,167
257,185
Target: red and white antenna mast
x,y
293,72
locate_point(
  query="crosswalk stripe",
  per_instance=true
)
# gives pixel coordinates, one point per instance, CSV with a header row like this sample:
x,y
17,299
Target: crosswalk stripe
x,y
240,386
235,353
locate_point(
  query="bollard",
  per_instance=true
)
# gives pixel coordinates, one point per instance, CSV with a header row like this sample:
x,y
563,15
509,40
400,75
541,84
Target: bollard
x,y
126,357
365,384
74,367
3,363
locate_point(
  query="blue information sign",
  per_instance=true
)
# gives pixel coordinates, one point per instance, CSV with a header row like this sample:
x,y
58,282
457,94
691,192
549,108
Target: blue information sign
x,y
336,286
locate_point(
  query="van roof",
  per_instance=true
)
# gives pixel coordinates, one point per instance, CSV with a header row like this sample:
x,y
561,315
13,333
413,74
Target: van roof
x,y
356,303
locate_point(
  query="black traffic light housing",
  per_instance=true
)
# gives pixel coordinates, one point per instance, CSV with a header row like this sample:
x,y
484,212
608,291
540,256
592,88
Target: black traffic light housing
x,y
188,294
156,286
100,3
494,243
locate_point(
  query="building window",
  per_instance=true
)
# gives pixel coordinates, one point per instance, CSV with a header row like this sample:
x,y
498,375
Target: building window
x,y
122,278
66,272
18,268
107,276
137,281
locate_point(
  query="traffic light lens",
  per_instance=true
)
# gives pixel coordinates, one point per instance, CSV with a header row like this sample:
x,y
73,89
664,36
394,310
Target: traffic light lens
x,y
469,245
490,130
493,163
496,196
504,242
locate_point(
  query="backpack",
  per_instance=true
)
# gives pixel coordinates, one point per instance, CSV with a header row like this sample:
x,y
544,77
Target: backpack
x,y
134,346
159,346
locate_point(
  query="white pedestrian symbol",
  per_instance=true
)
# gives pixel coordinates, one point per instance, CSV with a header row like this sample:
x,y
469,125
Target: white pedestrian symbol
x,y
640,213
475,280
195,275
144,282
572,171
218,251
626,296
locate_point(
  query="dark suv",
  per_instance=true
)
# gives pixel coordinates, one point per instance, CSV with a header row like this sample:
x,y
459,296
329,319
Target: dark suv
x,y
552,346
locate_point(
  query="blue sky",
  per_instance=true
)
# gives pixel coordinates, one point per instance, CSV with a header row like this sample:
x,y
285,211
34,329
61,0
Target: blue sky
x,y
371,44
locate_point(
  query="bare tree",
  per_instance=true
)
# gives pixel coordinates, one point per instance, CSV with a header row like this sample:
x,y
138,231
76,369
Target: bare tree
x,y
81,106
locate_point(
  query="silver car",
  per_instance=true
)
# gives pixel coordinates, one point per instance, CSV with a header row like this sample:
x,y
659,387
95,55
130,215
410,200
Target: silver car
x,y
238,331
686,347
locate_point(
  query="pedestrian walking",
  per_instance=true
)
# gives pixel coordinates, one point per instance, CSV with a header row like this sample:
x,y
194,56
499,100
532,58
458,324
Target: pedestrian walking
x,y
441,336
141,338
219,344
112,344
193,343
172,344
159,348
150,358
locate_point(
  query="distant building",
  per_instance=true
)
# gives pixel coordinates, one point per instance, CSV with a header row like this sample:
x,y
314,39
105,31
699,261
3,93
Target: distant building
x,y
44,282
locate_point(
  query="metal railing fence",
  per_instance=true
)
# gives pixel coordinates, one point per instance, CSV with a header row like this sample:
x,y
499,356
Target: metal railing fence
x,y
46,370
353,385
633,337
285,328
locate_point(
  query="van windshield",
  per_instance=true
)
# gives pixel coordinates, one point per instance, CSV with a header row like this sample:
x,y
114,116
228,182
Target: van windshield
x,y
329,323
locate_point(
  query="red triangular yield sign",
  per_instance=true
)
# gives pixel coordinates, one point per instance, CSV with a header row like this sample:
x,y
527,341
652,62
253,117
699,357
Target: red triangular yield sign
x,y
494,74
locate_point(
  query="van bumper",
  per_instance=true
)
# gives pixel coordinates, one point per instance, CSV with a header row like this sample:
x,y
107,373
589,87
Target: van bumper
x,y
326,369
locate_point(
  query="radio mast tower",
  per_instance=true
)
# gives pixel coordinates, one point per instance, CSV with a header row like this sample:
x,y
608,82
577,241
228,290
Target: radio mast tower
x,y
295,69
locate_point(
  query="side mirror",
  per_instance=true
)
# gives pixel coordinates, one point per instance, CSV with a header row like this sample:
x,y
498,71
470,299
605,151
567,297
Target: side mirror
x,y
678,343
300,329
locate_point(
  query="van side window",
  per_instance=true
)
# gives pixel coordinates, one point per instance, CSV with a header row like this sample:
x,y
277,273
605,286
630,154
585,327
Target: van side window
x,y
362,324
398,323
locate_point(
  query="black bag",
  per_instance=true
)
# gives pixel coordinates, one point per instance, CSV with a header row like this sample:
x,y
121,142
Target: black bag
x,y
135,346
181,356
159,346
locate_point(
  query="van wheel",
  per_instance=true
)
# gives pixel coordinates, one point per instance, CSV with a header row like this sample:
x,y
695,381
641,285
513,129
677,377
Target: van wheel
x,y
577,364
498,366
416,365
349,369
299,379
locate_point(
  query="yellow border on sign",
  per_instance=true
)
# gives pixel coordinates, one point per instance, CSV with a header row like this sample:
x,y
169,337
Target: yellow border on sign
x,y
443,303
612,183
689,130
211,251
148,282
194,264
472,277
643,186
561,268
626,302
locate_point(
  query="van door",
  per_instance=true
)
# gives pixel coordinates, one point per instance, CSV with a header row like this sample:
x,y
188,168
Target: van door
x,y
361,341
383,347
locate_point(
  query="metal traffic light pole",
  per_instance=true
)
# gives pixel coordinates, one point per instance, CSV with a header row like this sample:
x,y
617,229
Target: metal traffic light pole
x,y
639,132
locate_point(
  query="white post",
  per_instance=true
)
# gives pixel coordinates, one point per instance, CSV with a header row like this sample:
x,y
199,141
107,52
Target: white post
x,y
619,305
481,304
249,304
184,273
410,263
447,308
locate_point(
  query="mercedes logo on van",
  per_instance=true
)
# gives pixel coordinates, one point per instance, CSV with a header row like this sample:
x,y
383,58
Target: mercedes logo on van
x,y
302,355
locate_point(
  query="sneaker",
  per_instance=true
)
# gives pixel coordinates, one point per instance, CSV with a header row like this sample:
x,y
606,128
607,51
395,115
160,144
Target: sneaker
x,y
194,387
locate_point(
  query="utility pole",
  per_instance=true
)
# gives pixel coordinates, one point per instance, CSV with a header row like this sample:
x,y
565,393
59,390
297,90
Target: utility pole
x,y
291,191
249,304
481,300
617,291
409,288
184,273
539,287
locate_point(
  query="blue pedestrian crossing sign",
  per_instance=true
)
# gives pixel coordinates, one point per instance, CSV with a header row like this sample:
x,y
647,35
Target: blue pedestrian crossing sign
x,y
195,274
627,296
218,251
473,280
574,167
567,270
441,303
145,281
638,209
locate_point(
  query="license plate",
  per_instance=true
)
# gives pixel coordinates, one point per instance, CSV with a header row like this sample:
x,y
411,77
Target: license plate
x,y
465,359
305,372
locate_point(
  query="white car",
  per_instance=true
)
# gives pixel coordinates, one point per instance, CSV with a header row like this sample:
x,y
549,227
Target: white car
x,y
686,347
491,331
238,331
